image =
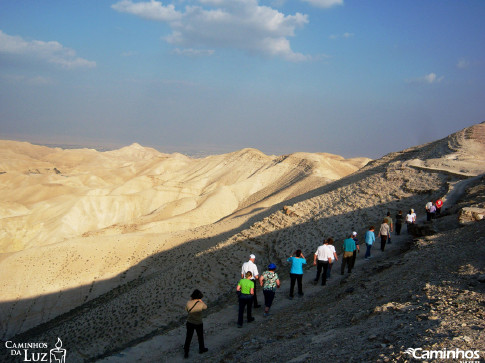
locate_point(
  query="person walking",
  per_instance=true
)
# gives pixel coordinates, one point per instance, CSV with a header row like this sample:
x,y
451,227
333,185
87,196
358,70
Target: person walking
x,y
334,254
370,238
439,204
432,211
391,229
428,211
356,240
410,219
349,248
399,219
296,272
322,258
245,289
194,308
384,232
269,281
251,266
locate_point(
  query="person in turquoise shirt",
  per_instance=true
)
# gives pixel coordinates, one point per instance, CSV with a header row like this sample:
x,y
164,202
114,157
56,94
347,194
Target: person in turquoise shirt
x,y
370,238
296,272
349,248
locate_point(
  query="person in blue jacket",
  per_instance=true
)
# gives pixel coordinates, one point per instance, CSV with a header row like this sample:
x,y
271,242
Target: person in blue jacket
x,y
296,272
370,238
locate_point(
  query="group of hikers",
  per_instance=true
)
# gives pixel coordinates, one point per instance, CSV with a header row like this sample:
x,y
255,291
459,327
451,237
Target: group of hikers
x,y
433,209
323,258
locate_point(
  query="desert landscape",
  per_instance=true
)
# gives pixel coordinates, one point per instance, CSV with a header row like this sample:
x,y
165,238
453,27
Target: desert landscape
x,y
103,250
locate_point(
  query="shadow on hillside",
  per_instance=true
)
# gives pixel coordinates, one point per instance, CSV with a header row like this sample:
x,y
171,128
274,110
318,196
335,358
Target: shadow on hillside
x,y
130,313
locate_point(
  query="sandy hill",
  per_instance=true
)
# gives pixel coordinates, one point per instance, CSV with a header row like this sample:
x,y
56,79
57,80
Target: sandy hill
x,y
116,312
52,195
75,217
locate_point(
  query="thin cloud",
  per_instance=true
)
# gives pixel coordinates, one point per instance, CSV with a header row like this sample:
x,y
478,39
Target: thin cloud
x,y
238,24
429,79
34,81
190,52
324,4
463,63
129,54
344,35
433,78
52,52
152,10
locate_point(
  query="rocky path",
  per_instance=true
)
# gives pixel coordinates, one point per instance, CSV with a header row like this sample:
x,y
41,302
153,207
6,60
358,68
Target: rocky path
x,y
220,327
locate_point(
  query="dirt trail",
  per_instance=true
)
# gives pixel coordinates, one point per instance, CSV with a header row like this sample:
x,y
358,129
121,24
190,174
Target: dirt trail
x,y
220,328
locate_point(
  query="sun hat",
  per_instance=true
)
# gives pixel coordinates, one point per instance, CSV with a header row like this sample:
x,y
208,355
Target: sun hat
x,y
252,256
354,233
271,266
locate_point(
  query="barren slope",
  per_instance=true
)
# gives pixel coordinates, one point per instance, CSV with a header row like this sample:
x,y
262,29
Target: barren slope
x,y
51,195
209,257
82,219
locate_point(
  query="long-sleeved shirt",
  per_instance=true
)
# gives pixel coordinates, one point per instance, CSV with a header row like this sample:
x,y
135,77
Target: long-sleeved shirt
x,y
370,237
385,230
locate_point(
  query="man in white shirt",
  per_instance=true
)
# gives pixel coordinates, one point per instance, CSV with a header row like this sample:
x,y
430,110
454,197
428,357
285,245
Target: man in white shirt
x,y
251,266
323,256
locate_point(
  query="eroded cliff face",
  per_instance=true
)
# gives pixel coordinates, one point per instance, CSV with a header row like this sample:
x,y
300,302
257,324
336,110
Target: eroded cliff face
x,y
52,195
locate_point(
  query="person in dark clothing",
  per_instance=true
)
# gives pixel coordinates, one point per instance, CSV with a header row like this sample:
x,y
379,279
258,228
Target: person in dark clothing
x,y
399,219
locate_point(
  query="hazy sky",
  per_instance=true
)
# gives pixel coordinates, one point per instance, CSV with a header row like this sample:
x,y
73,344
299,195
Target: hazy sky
x,y
349,77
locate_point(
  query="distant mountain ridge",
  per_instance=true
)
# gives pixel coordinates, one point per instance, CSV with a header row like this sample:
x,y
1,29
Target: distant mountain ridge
x,y
61,194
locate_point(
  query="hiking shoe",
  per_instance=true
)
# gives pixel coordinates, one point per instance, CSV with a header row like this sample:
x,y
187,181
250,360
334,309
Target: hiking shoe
x,y
250,320
203,350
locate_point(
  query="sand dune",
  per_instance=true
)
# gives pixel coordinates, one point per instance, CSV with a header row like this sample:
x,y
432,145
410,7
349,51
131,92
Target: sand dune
x,y
135,276
51,195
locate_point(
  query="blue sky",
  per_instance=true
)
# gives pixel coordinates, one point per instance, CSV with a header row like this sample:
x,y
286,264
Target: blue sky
x,y
354,78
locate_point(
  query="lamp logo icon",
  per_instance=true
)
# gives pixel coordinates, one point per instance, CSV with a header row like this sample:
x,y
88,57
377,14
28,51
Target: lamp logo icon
x,y
58,354
410,351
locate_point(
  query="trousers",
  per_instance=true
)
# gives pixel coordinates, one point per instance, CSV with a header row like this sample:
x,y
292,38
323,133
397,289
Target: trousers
x,y
322,265
190,332
245,300
296,278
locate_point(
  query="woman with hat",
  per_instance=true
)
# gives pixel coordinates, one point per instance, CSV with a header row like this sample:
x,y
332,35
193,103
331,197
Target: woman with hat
x,y
270,281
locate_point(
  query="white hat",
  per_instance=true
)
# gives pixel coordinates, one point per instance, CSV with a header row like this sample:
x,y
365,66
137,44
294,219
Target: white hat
x,y
354,233
251,256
